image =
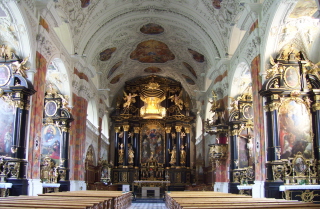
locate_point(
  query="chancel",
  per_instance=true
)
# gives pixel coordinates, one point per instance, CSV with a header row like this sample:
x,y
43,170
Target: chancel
x,y
152,98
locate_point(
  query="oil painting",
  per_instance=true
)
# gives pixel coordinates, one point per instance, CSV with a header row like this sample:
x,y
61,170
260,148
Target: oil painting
x,y
295,133
7,115
152,141
50,145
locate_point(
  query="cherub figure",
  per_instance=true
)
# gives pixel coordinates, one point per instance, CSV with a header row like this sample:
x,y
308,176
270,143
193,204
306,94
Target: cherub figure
x,y
177,100
19,68
234,103
129,98
274,69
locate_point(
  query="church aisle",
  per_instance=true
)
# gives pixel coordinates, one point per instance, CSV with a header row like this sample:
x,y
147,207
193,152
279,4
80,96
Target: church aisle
x,y
148,206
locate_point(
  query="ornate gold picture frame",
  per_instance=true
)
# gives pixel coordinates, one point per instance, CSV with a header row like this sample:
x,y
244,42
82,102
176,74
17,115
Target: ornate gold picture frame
x,y
51,108
292,77
5,75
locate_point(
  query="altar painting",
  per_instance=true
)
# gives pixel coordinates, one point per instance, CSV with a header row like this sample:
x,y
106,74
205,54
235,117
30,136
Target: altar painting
x,y
51,140
7,115
152,141
295,133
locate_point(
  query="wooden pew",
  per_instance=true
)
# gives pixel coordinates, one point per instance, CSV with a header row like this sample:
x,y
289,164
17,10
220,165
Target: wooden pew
x,y
213,200
81,199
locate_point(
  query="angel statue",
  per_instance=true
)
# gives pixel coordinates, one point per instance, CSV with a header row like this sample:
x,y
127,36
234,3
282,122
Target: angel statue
x,y
313,68
234,103
128,98
177,100
274,70
19,68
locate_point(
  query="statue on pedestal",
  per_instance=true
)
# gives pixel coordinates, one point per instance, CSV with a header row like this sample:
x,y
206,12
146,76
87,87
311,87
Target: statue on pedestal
x,y
173,155
121,153
182,155
130,155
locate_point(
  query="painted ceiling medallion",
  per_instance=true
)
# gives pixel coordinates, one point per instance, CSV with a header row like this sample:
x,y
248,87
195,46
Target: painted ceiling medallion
x,y
114,68
188,79
106,54
190,69
152,29
196,55
216,4
84,3
116,79
152,69
152,51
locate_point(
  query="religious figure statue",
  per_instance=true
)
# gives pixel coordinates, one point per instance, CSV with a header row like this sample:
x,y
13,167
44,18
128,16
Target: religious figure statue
x,y
182,155
173,155
129,98
177,100
250,146
130,155
19,68
121,153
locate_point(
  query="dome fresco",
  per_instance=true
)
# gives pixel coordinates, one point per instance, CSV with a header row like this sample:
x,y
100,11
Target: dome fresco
x,y
106,54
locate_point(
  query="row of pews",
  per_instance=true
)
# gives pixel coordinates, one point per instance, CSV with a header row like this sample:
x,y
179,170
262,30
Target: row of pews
x,y
75,199
213,200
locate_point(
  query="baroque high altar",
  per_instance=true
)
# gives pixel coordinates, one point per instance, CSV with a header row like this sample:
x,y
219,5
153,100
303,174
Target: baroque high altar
x,y
152,125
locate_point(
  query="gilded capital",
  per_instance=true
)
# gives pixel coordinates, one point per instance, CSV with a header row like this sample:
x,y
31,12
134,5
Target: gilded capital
x,y
117,129
126,127
64,129
187,129
136,130
178,128
316,107
168,130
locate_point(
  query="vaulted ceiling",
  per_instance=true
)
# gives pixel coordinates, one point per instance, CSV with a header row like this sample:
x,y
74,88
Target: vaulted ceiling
x,y
124,39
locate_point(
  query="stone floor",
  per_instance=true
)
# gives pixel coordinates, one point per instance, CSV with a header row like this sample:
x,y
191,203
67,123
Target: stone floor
x,y
148,206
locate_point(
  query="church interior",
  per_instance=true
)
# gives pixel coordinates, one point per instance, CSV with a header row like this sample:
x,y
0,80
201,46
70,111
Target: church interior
x,y
153,96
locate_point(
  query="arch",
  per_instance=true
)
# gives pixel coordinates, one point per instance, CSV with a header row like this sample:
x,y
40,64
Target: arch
x,y
105,128
241,79
198,128
92,113
58,75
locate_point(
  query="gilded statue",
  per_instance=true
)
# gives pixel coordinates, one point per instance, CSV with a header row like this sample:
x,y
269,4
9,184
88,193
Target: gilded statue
x,y
19,68
177,100
130,155
173,155
183,155
128,98
121,153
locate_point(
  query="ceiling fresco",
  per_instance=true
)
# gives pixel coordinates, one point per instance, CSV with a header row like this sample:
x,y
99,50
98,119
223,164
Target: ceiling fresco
x,y
124,38
116,79
152,29
114,68
106,54
190,69
152,51
188,80
152,69
196,55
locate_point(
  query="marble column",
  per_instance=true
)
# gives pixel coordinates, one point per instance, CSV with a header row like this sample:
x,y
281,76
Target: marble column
x,y
116,145
136,146
125,144
316,120
178,130
167,147
187,129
